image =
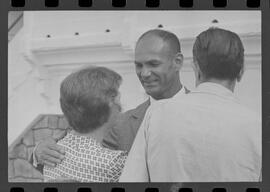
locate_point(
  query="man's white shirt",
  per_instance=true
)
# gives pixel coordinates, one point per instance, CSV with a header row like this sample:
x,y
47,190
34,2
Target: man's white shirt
x,y
205,136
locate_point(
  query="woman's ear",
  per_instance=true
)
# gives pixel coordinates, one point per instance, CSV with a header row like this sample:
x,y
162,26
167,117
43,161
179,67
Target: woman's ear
x,y
117,98
116,101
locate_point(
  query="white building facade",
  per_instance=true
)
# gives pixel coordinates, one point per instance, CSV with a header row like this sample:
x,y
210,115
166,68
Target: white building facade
x,y
52,44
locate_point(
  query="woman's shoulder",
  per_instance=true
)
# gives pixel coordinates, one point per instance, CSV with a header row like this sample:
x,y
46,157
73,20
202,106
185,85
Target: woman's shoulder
x,y
85,145
113,154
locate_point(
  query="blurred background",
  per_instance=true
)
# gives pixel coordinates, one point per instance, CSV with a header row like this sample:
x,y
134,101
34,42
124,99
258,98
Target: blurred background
x,y
45,46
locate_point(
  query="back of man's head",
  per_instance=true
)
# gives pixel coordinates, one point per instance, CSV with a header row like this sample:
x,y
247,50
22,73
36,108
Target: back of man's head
x,y
219,54
168,37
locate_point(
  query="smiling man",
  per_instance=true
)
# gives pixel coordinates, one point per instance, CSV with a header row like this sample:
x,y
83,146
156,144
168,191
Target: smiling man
x,y
158,60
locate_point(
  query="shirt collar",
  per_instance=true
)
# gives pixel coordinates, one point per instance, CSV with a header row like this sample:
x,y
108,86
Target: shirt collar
x,y
82,139
140,110
181,92
214,89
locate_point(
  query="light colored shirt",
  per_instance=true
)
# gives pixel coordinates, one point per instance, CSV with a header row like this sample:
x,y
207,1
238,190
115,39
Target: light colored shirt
x,y
139,145
205,136
154,102
86,161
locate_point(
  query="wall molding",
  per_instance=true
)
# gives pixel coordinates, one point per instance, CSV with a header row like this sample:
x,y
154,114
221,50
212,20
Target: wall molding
x,y
56,55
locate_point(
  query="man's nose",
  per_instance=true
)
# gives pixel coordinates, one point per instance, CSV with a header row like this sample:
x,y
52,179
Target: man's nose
x,y
145,72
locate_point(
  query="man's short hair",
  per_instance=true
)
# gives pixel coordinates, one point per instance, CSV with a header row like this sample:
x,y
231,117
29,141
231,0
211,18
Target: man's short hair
x,y
170,38
219,53
85,96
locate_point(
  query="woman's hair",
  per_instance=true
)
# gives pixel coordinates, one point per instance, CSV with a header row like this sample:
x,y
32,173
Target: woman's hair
x,y
85,97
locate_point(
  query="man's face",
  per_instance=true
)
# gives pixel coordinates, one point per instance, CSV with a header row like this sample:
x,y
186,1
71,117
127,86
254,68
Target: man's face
x,y
155,66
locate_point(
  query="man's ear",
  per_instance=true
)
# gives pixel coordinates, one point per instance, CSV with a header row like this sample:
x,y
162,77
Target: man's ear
x,y
195,66
197,72
240,75
178,61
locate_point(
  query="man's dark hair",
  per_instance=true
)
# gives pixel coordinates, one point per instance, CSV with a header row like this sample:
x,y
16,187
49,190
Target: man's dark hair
x,y
219,53
170,38
85,96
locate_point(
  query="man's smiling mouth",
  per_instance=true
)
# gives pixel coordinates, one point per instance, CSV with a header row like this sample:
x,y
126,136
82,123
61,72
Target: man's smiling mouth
x,y
149,83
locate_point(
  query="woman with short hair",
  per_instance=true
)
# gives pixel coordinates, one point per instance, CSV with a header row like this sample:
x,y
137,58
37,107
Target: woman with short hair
x,y
89,99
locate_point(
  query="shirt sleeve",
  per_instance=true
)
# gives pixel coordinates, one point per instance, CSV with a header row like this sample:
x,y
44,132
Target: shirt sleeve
x,y
117,165
136,169
33,160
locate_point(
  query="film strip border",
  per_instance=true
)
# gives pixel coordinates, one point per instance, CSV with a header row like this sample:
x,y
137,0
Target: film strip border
x,y
121,189
147,3
263,5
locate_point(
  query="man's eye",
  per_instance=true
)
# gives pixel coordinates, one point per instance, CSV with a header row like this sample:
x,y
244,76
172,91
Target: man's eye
x,y
154,64
138,65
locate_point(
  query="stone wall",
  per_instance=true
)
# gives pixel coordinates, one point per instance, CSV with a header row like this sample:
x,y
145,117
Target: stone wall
x,y
20,168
